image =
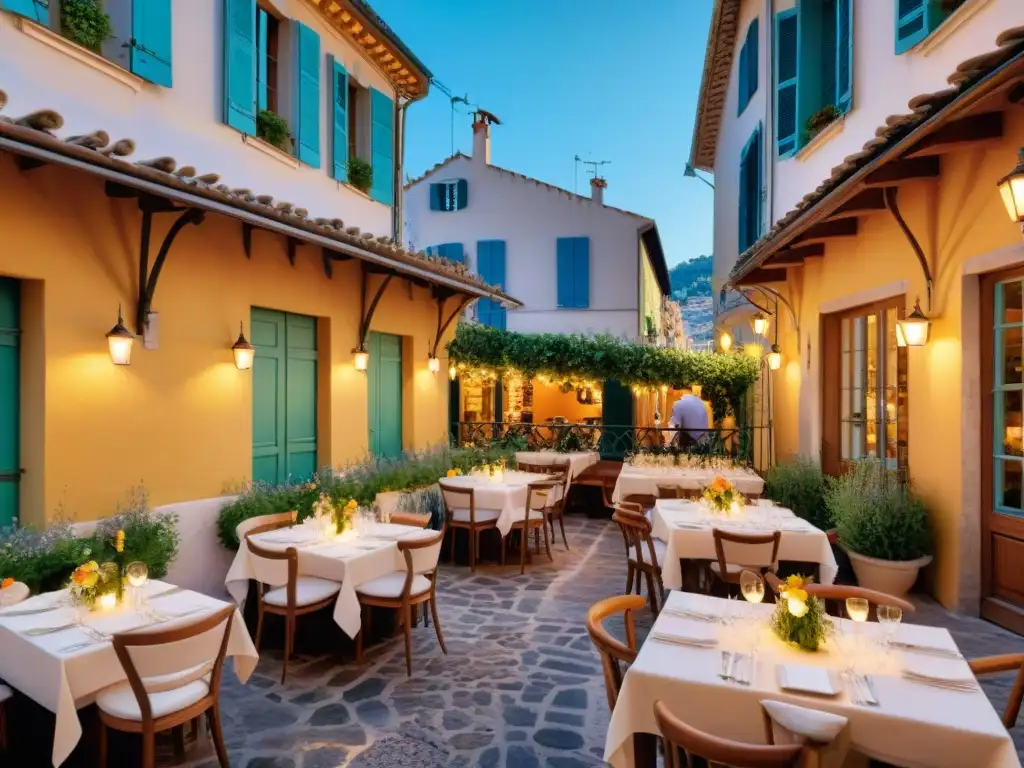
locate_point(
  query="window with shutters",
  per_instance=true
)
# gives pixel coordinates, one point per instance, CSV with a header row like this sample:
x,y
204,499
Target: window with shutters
x,y
490,265
449,196
748,67
750,219
450,251
917,19
573,272
268,29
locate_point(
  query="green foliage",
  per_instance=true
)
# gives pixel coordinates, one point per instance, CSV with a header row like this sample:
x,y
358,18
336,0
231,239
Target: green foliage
x,y
821,119
424,501
361,481
691,278
725,378
800,485
878,516
273,129
148,537
84,22
570,441
807,632
360,173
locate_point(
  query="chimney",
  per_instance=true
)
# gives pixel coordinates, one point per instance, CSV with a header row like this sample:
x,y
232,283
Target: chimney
x,y
482,120
597,188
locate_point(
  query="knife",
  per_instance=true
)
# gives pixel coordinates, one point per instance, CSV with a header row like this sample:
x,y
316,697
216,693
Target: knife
x,y
869,690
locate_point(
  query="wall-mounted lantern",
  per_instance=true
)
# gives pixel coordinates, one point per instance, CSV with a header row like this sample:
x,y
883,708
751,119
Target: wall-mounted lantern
x,y
119,342
759,323
914,328
775,358
434,364
725,341
362,359
1011,187
243,351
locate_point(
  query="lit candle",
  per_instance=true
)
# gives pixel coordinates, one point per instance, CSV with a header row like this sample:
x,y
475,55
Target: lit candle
x,y
108,601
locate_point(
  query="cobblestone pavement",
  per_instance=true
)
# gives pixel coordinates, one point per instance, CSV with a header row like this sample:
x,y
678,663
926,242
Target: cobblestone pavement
x,y
520,687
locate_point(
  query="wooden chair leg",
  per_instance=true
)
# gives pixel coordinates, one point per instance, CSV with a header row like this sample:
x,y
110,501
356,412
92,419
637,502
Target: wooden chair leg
x,y
408,640
363,626
195,728
652,592
504,546
213,717
629,577
524,544
437,625
451,545
103,745
148,748
178,738
259,625
547,543
289,634
561,524
474,540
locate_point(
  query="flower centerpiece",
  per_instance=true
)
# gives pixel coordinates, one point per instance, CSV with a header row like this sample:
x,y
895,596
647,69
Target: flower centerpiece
x,y
344,516
94,585
800,619
722,496
453,472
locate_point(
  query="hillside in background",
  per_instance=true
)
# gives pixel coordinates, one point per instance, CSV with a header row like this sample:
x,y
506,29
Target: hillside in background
x,y
691,287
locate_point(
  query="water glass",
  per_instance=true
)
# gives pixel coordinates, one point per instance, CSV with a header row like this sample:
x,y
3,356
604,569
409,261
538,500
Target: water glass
x,y
752,587
889,616
857,609
137,575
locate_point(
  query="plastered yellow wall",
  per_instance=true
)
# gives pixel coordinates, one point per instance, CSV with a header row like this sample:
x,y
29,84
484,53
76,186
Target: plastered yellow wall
x,y
650,293
179,418
955,219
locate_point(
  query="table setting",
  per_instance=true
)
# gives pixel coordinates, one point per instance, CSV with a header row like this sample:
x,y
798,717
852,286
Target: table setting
x,y
908,693
504,490
686,527
642,475
57,648
578,460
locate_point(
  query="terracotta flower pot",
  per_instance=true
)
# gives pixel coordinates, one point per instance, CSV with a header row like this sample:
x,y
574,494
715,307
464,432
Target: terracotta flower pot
x,y
893,577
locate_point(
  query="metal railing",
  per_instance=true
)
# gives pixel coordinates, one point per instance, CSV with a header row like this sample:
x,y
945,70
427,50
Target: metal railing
x,y
615,441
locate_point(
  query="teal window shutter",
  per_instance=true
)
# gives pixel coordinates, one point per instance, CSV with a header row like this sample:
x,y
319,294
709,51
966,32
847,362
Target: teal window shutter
x,y
844,55
452,252
490,259
742,70
151,41
915,20
37,10
565,269
240,65
462,195
758,173
581,272
339,121
742,216
787,81
382,147
307,94
437,197
748,66
750,215
261,59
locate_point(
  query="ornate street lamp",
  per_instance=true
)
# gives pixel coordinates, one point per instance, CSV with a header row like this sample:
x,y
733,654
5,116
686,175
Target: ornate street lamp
x,y
119,342
914,328
759,323
1011,187
775,358
243,351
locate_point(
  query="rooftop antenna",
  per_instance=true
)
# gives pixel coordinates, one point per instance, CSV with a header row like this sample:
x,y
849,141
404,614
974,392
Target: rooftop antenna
x,y
457,100
595,165
576,174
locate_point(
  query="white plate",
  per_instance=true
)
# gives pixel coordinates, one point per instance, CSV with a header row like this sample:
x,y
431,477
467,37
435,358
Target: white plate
x,y
816,680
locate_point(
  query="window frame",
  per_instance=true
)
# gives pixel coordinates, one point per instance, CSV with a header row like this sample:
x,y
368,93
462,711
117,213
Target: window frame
x,y
268,62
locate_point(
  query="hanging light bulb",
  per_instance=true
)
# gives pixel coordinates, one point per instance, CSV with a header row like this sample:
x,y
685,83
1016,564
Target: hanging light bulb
x,y
243,351
759,323
119,342
775,358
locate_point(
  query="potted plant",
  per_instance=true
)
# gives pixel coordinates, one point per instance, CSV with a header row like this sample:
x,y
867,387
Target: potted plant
x,y
882,526
85,23
273,129
821,119
799,485
360,174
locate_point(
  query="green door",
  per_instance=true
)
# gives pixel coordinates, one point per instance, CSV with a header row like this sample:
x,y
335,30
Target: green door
x,y
10,466
385,395
617,417
283,397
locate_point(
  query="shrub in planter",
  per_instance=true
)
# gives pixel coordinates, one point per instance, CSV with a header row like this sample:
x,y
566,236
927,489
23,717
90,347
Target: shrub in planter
x,y
273,129
799,485
360,173
149,536
85,23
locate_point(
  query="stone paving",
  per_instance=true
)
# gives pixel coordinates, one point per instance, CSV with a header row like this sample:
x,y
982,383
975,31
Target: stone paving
x,y
520,687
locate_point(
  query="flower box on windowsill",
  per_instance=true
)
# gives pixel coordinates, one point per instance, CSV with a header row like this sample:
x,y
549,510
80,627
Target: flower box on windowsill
x,y
358,191
269,149
821,137
91,59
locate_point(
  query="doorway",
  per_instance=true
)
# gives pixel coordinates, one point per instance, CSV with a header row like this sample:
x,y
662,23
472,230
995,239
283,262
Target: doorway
x,y
384,395
10,412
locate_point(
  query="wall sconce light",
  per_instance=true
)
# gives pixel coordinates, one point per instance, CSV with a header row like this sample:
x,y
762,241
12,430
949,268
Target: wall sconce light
x,y
433,364
915,327
759,323
696,389
725,341
1011,187
243,351
775,358
452,372
362,359
119,342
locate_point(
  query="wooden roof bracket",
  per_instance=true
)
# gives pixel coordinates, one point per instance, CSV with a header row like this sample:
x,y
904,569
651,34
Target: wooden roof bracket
x,y
148,277
366,313
891,203
442,324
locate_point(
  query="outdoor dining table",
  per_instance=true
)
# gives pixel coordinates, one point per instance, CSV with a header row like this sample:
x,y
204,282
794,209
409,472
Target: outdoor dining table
x,y
645,480
686,527
507,494
350,559
912,723
64,670
578,460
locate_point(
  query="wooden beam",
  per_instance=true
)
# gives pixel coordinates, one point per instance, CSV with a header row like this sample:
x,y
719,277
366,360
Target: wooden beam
x,y
761,276
904,170
827,229
868,201
794,257
960,134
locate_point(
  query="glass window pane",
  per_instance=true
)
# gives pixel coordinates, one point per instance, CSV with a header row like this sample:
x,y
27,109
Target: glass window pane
x,y
1008,483
1011,424
1010,342
1012,306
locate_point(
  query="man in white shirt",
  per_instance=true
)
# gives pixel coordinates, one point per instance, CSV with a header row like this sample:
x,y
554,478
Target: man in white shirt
x,y
690,417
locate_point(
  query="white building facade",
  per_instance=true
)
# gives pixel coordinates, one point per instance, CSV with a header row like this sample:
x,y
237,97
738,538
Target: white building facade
x,y
578,265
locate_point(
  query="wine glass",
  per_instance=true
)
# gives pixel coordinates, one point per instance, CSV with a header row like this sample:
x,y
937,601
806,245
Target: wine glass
x,y
857,609
137,574
889,616
752,587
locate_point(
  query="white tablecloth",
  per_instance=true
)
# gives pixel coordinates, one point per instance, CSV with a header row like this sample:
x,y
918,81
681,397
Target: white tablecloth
x,y
913,725
349,561
686,527
63,681
645,480
578,460
509,496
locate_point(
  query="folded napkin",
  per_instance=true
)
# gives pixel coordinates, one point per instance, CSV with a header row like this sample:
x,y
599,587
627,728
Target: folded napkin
x,y
797,677
802,724
292,536
675,629
938,671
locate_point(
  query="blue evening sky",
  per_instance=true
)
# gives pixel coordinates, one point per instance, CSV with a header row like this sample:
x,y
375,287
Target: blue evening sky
x,y
597,78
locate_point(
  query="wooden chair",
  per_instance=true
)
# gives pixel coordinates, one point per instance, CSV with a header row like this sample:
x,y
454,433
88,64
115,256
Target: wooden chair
x,y
738,552
637,530
404,590
527,466
834,596
614,652
1011,662
289,594
645,500
669,492
265,523
413,519
824,736
719,751
168,688
556,509
534,521
460,512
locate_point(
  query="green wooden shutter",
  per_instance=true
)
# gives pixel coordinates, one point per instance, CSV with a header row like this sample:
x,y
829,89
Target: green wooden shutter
x,y
437,197
262,40
787,81
300,397
915,20
384,395
151,41
461,194
743,203
743,71
581,272
757,219
307,92
483,268
565,272
382,147
490,255
10,413
748,66
240,65
339,105
617,417
844,55
37,10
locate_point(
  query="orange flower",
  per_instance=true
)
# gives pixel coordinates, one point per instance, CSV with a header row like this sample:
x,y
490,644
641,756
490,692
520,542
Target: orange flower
x,y
8,582
119,541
